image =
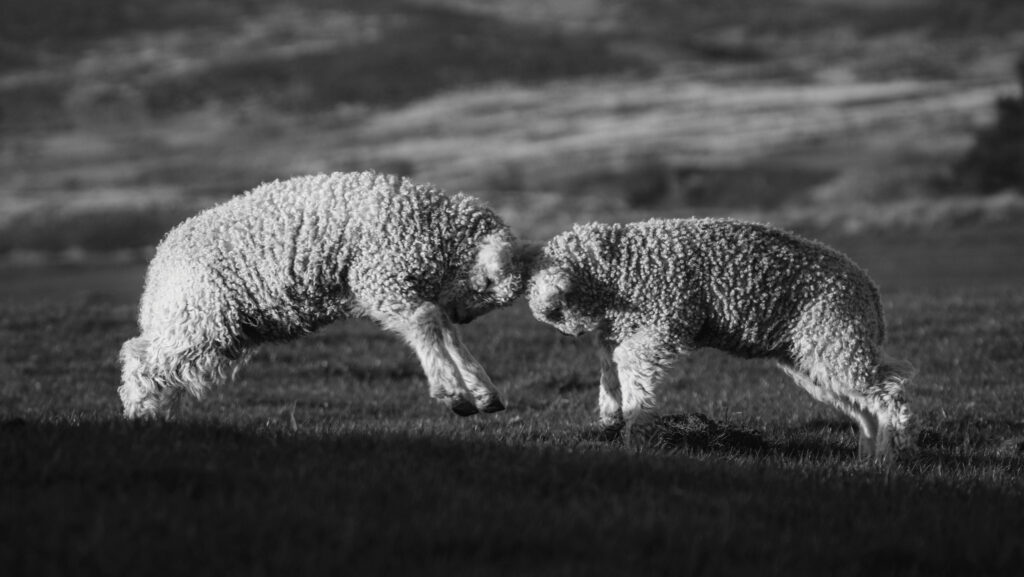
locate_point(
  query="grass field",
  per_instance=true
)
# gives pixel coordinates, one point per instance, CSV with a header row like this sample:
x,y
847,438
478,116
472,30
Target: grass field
x,y
119,118
327,457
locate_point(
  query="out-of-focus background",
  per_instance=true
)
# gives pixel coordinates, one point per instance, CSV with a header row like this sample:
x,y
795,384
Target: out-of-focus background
x,y
118,118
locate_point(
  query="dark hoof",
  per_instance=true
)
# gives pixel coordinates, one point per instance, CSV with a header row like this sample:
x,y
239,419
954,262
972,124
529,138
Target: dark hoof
x,y
609,434
493,406
463,408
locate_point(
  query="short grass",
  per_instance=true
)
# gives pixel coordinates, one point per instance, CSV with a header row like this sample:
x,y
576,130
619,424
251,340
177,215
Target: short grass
x,y
327,457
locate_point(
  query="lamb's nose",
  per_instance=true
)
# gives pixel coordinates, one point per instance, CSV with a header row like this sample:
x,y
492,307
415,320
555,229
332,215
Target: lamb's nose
x,y
554,315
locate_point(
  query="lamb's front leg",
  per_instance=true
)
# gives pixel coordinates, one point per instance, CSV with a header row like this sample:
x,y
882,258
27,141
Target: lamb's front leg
x,y
609,401
426,331
473,373
641,363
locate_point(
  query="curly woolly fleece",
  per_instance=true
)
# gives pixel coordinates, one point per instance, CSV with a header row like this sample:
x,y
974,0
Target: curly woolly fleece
x,y
291,256
654,290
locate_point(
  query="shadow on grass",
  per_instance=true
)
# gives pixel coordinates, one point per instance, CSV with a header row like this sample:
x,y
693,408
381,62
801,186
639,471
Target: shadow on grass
x,y
1005,436
962,444
696,433
202,497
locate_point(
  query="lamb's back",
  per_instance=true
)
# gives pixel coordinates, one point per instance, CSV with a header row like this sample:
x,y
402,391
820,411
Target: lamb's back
x,y
762,283
733,285
289,255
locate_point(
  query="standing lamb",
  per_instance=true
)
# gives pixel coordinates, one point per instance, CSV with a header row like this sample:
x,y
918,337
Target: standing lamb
x,y
653,290
292,256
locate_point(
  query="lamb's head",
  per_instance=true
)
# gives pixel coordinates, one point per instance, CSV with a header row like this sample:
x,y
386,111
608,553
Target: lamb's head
x,y
141,395
493,278
558,298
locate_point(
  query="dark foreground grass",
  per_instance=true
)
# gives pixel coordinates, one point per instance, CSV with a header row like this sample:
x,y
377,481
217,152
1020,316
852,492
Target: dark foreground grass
x,y
93,496
328,458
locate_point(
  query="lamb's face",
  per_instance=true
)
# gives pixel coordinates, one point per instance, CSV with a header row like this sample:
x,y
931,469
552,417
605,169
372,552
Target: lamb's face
x,y
556,301
140,402
494,279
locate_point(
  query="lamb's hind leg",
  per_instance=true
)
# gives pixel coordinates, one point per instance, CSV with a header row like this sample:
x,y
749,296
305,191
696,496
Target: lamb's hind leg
x,y
822,389
872,394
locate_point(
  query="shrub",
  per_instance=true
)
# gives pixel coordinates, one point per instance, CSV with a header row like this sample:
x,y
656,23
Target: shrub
x,y
996,160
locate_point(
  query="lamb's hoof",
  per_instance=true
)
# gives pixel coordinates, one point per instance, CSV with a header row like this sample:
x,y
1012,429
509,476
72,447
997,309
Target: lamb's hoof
x,y
493,406
463,408
609,434
611,429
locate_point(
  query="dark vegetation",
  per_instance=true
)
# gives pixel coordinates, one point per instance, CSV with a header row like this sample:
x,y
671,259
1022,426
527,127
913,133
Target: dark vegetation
x,y
652,184
748,30
327,456
996,160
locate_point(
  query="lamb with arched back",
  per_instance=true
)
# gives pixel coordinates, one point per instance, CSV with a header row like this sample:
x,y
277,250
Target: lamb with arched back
x,y
291,256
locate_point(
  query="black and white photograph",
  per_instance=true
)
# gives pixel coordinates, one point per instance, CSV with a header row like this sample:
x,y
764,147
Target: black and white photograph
x,y
512,287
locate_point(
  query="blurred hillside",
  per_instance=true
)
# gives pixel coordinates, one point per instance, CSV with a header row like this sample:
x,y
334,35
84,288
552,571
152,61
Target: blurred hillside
x,y
118,118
